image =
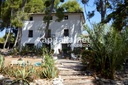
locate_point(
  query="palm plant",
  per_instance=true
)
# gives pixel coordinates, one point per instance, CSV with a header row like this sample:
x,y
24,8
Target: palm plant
x,y
109,50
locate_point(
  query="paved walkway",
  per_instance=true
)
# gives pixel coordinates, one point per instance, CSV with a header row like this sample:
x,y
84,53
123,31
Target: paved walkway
x,y
72,74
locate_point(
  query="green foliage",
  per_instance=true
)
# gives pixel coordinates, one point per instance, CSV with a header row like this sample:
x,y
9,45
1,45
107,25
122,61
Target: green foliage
x,y
119,16
1,40
23,73
56,3
11,37
28,72
8,8
47,3
77,51
17,19
20,73
46,18
108,50
24,50
88,57
72,6
60,14
50,71
15,51
31,50
48,60
35,6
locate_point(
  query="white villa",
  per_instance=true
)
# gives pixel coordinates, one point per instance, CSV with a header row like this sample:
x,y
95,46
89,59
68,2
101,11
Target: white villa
x,y
62,34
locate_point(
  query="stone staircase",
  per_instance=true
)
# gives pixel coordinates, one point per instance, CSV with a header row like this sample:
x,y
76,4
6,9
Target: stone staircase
x,y
72,74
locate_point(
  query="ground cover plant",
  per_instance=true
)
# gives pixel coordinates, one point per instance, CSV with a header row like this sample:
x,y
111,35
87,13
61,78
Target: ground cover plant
x,y
28,73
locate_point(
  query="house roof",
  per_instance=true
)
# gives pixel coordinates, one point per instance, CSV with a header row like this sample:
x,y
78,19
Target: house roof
x,y
81,13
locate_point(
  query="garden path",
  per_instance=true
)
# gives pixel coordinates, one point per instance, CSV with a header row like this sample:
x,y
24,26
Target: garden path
x,y
71,73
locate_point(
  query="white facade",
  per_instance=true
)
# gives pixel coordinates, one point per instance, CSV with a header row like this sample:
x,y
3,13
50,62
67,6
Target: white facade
x,y
73,24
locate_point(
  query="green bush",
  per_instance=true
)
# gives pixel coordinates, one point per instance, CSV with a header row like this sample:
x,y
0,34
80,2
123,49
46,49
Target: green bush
x,y
87,56
31,50
108,50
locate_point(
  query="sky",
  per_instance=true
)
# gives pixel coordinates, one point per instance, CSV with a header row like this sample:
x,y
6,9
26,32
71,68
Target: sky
x,y
2,33
89,7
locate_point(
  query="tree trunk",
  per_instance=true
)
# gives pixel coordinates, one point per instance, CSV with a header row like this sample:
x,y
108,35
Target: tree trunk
x,y
6,39
9,30
103,9
102,15
48,21
19,37
16,40
19,33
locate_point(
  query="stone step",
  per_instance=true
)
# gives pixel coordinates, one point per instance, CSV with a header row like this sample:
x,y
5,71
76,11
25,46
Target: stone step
x,y
67,61
76,77
71,73
69,64
72,64
59,65
68,69
76,68
80,82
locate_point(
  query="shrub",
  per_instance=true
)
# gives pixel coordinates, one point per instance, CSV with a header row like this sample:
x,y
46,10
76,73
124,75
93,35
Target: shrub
x,y
19,73
87,57
31,50
108,50
50,71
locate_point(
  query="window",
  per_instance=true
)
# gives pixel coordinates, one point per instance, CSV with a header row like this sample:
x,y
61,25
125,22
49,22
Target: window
x,y
30,33
66,32
66,48
30,47
31,18
66,17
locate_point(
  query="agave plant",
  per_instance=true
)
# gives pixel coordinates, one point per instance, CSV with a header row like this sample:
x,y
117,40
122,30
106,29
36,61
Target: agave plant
x,y
50,71
22,74
109,49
